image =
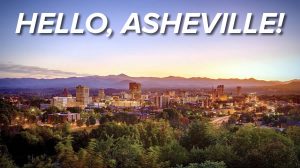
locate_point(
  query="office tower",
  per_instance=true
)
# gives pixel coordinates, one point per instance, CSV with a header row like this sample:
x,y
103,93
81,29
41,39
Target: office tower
x,y
162,101
220,90
135,90
82,95
101,94
238,90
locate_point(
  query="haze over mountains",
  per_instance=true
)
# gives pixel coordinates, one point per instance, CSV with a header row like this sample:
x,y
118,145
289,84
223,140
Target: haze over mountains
x,y
121,82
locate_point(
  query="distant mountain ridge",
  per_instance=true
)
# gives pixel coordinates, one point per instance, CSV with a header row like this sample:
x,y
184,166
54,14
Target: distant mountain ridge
x,y
121,82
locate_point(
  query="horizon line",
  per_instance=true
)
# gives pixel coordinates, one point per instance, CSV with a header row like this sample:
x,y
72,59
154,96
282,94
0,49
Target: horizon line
x,y
132,76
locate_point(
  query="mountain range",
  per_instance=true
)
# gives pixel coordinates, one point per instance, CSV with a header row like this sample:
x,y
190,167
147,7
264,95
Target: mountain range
x,y
121,82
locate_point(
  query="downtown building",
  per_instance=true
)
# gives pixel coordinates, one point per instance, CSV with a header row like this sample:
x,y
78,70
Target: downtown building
x,y
135,90
83,96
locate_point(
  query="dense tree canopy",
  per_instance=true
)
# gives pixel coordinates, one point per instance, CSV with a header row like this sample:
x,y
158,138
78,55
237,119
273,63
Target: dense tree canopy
x,y
121,141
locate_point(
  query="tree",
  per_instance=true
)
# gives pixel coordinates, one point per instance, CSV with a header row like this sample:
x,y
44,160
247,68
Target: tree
x,y
65,153
90,157
80,123
198,135
7,113
52,109
294,133
216,152
6,161
99,110
127,152
261,147
125,117
207,164
80,140
114,129
249,137
172,115
40,162
106,118
155,133
174,153
273,154
152,158
4,120
74,109
92,120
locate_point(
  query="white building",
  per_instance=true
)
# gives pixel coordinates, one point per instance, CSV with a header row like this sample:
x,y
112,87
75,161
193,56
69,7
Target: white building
x,y
63,102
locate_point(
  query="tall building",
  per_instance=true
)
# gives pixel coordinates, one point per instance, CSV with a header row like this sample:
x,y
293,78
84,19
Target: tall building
x,y
135,90
101,94
161,101
82,95
238,90
220,90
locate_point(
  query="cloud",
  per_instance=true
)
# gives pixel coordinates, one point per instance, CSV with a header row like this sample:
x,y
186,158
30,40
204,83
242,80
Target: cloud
x,y
22,71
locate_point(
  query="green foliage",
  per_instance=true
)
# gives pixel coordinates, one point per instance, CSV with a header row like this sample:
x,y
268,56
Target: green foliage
x,y
121,141
42,161
90,157
264,148
198,135
174,153
172,115
125,117
206,164
155,133
209,164
114,129
248,138
52,109
6,161
90,121
80,123
74,109
65,153
99,110
7,113
4,120
273,154
152,158
127,152
216,152
294,133
80,139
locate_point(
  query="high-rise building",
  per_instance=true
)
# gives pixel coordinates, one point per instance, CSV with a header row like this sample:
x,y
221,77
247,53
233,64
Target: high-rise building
x,y
220,90
82,95
101,94
161,101
238,90
135,90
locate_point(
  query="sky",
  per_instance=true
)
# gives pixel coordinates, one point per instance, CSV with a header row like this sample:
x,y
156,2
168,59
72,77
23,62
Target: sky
x,y
267,57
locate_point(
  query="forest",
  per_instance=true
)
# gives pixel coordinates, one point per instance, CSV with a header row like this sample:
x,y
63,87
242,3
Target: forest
x,y
166,141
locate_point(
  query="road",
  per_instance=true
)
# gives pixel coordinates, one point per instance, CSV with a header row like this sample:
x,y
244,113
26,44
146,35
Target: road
x,y
220,120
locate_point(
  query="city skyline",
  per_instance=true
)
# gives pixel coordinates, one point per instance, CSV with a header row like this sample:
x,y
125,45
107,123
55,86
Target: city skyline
x,y
271,57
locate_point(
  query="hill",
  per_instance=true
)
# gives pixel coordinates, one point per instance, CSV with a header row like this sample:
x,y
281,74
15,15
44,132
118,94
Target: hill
x,y
121,82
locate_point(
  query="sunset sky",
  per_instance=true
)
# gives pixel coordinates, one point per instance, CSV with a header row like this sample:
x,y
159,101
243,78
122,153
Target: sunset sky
x,y
268,57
